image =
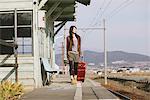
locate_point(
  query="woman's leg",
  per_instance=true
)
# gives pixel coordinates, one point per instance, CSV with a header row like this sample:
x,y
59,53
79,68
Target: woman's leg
x,y
76,61
71,67
74,57
75,68
71,71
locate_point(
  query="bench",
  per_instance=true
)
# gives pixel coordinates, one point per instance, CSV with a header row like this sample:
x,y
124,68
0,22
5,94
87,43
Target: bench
x,y
48,70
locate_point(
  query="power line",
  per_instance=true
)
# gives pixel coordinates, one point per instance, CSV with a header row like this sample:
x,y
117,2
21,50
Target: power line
x,y
95,17
115,11
106,8
99,9
119,8
103,12
103,3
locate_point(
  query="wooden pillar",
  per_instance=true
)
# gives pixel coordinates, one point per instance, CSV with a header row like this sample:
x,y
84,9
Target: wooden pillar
x,y
15,49
37,67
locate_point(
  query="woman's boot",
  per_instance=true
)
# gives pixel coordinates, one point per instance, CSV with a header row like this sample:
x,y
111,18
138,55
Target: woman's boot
x,y
75,79
72,80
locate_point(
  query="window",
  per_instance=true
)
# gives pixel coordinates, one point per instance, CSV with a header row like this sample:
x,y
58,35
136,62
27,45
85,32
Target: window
x,y
24,18
6,30
24,31
7,33
25,45
7,19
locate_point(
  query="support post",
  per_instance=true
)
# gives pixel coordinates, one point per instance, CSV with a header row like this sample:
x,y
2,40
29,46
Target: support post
x,y
63,67
15,48
65,52
37,67
105,53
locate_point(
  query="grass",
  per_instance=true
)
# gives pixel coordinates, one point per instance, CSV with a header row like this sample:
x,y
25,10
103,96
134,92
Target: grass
x,y
128,88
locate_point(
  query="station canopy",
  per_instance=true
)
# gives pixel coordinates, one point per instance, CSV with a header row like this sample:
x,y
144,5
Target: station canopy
x,y
61,10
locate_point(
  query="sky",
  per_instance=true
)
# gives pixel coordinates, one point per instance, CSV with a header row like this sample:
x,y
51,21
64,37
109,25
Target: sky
x,y
127,25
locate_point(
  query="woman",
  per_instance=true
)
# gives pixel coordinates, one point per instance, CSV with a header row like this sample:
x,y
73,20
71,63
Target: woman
x,y
73,52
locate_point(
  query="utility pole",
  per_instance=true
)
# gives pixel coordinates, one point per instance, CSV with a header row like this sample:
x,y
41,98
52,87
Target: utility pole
x,y
65,57
65,51
105,53
63,67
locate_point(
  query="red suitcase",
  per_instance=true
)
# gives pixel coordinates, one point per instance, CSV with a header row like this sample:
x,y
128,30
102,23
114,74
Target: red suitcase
x,y
81,71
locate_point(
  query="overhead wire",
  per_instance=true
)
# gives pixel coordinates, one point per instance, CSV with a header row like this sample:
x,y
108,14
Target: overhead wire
x,y
95,17
119,8
103,12
113,12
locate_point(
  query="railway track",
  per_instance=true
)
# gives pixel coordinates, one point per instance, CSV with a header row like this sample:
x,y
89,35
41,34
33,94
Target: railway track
x,y
97,92
121,96
95,96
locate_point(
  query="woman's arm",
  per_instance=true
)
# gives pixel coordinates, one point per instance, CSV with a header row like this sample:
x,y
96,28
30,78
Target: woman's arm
x,y
79,48
67,47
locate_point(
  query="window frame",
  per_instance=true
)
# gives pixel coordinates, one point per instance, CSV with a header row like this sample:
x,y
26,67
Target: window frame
x,y
21,26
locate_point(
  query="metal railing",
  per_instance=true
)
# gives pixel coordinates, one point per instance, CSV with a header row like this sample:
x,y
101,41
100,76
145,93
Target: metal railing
x,y
14,45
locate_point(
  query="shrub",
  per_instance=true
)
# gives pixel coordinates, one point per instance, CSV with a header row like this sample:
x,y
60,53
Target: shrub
x,y
10,91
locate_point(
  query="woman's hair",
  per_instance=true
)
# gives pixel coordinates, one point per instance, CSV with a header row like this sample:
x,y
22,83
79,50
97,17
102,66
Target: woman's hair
x,y
71,33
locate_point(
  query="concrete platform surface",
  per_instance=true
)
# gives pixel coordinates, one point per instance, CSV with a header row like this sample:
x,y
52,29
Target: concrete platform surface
x,y
61,89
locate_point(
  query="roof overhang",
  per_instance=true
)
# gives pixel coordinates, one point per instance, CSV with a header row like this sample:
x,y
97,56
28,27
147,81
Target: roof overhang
x,y
60,10
85,2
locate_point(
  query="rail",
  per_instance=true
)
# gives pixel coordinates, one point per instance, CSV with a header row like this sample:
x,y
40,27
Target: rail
x,y
14,45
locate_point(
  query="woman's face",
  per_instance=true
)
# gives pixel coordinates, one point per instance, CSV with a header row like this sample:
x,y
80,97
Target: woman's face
x,y
74,30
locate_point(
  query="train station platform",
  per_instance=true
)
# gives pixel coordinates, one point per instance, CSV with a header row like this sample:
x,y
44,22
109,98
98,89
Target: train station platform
x,y
61,89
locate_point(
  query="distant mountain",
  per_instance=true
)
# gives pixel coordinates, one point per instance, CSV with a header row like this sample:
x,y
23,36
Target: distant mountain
x,y
98,57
